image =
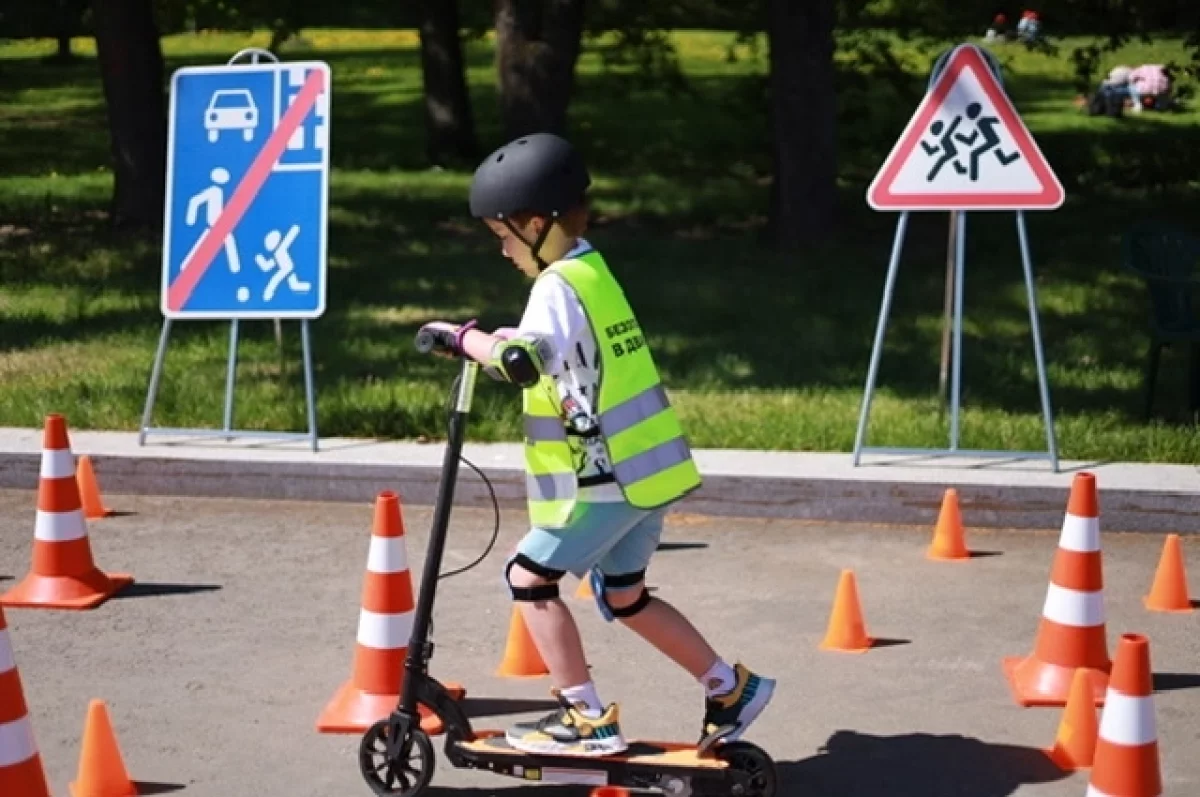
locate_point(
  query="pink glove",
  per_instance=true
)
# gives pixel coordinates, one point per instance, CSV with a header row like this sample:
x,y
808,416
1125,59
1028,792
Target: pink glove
x,y
506,333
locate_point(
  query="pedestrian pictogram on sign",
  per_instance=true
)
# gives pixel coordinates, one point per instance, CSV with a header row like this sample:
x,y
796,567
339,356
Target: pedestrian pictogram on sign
x,y
965,148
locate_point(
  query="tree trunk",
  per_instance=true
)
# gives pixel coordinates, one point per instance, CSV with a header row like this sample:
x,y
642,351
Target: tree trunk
x,y
803,120
537,45
449,125
66,24
131,68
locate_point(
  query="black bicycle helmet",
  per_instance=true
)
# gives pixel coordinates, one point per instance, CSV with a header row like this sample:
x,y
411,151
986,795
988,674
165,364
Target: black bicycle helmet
x,y
538,173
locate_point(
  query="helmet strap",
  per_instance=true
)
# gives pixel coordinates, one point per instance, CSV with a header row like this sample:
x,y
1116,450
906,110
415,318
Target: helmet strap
x,y
536,246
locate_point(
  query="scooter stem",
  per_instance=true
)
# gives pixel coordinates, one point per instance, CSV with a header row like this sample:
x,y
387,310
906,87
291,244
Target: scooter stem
x,y
416,664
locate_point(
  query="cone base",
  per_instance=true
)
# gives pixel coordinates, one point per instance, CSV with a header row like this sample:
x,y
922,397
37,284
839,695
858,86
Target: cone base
x,y
108,790
351,710
1063,759
948,556
510,671
98,513
841,646
1039,683
1167,607
65,592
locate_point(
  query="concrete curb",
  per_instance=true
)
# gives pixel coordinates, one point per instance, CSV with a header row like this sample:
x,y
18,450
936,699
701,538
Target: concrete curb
x,y
819,487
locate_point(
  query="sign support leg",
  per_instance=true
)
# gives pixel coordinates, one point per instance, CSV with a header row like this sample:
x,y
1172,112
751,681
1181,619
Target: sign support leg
x,y
1043,386
231,370
155,375
309,389
880,329
947,302
956,378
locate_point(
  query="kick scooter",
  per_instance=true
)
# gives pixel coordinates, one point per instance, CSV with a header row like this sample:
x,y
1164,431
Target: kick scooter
x,y
396,756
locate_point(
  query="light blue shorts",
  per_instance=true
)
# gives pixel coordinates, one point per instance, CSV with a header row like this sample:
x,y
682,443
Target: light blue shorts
x,y
615,537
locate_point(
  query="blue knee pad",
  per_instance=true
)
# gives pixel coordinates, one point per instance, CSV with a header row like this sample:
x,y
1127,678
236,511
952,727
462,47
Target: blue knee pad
x,y
601,582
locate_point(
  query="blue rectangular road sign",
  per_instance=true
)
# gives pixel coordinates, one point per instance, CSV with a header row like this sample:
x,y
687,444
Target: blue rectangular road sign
x,y
246,211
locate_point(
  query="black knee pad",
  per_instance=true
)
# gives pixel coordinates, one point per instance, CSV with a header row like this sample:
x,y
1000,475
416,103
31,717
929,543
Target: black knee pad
x,y
542,592
626,580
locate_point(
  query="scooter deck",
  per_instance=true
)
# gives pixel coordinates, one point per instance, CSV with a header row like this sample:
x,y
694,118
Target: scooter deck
x,y
640,752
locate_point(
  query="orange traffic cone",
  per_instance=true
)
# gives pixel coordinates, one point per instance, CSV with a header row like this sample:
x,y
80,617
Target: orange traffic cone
x,y
521,656
21,770
1127,762
89,490
585,589
1071,633
1169,593
948,536
63,574
384,628
610,791
101,769
846,631
1075,744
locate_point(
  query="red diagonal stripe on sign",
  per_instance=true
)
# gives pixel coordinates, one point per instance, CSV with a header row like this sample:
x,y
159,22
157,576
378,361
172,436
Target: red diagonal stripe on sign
x,y
181,289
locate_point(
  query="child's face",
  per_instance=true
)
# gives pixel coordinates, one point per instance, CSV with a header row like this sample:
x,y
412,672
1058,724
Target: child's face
x,y
513,247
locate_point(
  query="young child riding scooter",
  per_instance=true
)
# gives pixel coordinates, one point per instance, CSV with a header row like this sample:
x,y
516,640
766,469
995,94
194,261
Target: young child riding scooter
x,y
605,453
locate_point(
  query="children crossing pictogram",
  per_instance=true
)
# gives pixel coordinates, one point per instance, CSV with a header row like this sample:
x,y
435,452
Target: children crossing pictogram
x,y
965,148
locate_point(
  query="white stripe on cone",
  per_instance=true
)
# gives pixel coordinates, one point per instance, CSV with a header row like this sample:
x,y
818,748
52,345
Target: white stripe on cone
x,y
1128,720
59,526
6,654
387,555
1072,607
1094,792
16,742
384,631
57,463
1080,534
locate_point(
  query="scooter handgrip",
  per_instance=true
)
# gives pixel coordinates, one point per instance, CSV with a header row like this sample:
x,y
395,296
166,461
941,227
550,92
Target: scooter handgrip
x,y
425,341
430,339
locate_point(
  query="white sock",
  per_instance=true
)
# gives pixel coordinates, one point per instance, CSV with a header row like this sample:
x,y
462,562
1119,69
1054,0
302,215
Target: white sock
x,y
719,679
585,693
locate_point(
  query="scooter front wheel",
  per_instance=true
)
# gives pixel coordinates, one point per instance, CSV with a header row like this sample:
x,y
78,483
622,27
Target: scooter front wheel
x,y
402,773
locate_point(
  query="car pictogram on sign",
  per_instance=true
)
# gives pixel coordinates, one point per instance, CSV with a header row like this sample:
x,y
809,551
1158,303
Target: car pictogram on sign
x,y
231,109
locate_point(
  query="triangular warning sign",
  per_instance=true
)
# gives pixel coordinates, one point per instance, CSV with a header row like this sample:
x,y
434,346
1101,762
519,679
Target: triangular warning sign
x,y
965,148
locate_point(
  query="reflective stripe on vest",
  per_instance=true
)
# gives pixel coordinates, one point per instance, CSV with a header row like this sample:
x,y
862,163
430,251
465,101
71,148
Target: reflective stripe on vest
x,y
539,428
652,462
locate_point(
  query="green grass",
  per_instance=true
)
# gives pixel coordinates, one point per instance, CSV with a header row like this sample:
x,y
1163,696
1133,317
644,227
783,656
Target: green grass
x,y
760,350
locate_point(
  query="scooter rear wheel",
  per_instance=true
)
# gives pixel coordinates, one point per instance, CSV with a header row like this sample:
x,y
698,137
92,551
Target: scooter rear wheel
x,y
752,760
405,775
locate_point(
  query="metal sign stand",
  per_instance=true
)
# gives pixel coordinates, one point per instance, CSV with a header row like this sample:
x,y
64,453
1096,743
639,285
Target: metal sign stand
x,y
227,431
958,220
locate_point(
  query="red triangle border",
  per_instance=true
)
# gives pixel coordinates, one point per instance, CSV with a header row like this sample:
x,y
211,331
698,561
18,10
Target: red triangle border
x,y
880,195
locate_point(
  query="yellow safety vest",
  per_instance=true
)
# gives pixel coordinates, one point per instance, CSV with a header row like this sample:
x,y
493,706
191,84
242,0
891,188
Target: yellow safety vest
x,y
650,457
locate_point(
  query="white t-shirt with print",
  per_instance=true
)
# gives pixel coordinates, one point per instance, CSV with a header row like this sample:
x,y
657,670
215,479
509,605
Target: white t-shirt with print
x,y
555,313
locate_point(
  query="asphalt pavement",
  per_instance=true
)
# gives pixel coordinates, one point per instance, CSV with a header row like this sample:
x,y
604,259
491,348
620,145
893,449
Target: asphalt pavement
x,y
242,621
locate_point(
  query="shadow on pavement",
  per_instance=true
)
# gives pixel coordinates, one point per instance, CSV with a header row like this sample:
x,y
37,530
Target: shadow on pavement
x,y
1171,681
863,765
146,589
681,546
914,765
499,706
151,787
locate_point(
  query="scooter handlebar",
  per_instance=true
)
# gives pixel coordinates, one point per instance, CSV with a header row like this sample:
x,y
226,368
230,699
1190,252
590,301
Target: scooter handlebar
x,y
430,339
